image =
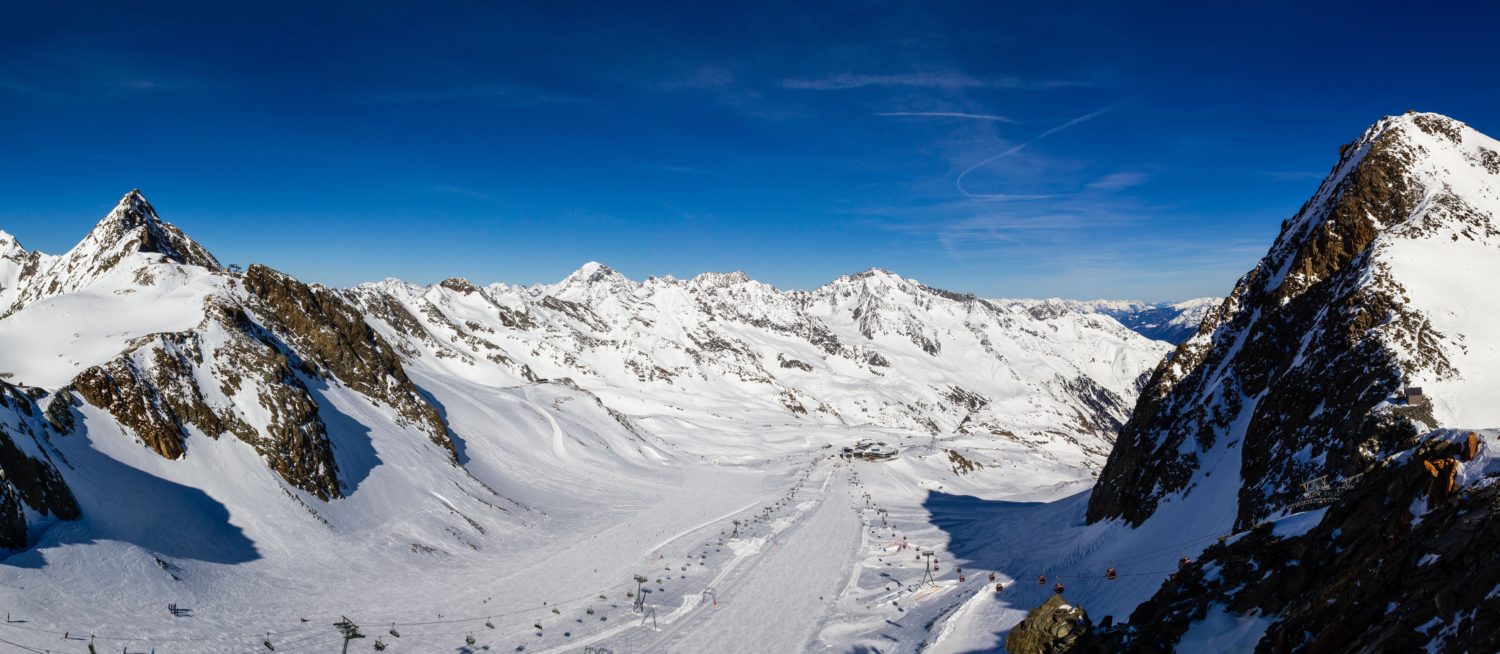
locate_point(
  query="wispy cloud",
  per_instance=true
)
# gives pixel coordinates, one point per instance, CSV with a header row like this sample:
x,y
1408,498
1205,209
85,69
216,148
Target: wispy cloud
x,y
951,81
948,114
1118,181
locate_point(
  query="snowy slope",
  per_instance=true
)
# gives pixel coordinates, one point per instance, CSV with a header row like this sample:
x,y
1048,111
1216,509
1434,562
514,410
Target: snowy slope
x,y
274,455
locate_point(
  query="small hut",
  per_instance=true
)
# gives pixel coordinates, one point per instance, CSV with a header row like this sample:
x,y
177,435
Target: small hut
x,y
1414,396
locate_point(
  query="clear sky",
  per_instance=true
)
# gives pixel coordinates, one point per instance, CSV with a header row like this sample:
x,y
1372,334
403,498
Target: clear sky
x,y
1008,149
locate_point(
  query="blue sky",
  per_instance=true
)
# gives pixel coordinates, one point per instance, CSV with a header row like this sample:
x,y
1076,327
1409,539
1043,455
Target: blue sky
x,y
1007,149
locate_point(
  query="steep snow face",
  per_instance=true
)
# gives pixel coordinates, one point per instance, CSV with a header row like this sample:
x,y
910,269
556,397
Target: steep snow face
x,y
1300,372
724,351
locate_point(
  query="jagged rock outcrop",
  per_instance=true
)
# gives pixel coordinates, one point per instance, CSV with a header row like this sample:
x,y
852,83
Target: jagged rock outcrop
x,y
123,390
1382,571
156,390
329,337
1055,627
28,477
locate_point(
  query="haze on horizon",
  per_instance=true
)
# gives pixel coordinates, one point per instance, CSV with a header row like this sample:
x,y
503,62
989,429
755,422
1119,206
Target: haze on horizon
x,y
1080,150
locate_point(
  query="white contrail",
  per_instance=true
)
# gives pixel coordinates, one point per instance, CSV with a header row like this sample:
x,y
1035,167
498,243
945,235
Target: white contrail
x,y
959,183
949,114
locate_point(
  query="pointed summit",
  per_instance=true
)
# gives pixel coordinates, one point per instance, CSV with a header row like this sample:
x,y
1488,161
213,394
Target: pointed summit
x,y
593,272
592,281
133,226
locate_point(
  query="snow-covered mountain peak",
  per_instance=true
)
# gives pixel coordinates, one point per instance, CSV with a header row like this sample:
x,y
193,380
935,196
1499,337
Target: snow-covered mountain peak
x,y
592,282
133,226
1302,370
129,238
720,280
1415,175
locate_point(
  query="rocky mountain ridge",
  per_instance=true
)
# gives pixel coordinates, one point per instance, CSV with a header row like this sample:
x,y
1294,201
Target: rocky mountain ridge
x,y
866,349
1303,379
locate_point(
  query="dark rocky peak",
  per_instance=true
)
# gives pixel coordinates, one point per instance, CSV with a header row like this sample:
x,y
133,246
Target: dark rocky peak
x,y
459,285
133,226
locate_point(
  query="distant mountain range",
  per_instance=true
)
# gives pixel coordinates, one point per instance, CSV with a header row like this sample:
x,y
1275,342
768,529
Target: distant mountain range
x,y
1173,322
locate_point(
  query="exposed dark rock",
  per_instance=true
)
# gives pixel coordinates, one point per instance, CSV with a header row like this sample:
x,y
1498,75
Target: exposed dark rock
x,y
330,337
1307,333
1370,577
26,481
122,389
153,389
794,363
1054,627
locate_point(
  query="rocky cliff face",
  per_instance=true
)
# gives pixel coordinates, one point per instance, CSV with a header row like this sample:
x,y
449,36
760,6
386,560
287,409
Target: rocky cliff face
x,y
1296,382
1055,627
229,376
1300,370
29,478
1383,569
330,338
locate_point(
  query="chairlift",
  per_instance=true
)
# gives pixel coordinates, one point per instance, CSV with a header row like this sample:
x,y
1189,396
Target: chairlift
x,y
469,639
267,642
489,624
395,633
1110,574
379,646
